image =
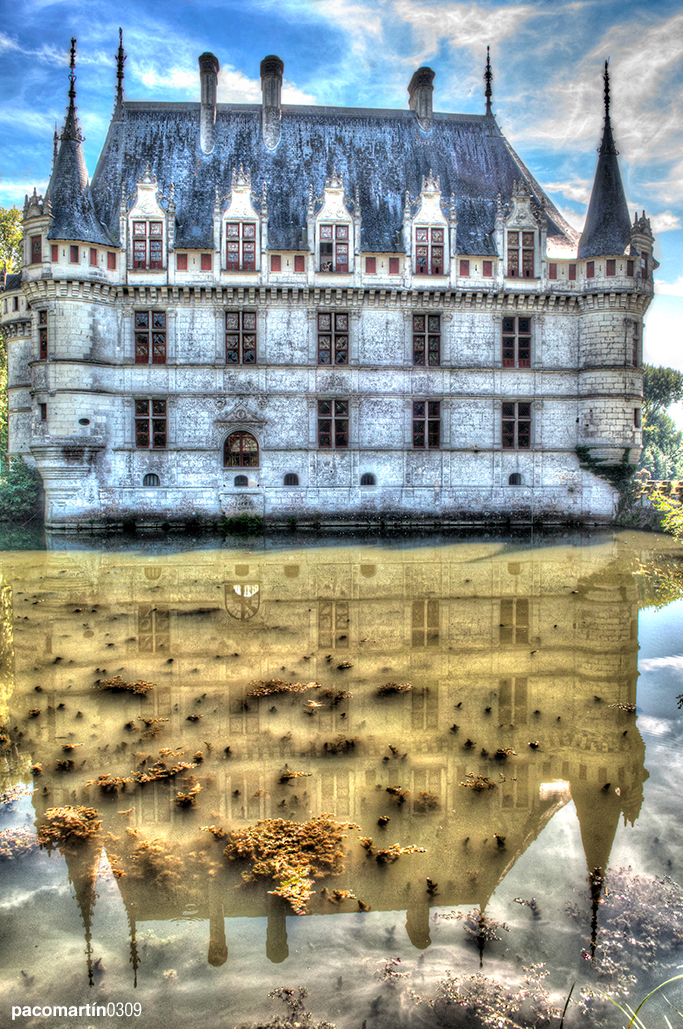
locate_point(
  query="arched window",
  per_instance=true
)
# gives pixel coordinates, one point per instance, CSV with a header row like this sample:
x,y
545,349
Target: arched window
x,y
240,451
291,479
151,479
515,479
368,479
241,480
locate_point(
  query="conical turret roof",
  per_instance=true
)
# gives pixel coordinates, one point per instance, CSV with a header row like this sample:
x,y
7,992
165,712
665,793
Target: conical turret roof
x,y
608,226
72,204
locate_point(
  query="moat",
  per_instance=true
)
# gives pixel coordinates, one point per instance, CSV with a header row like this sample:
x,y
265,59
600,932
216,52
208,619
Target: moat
x,y
491,727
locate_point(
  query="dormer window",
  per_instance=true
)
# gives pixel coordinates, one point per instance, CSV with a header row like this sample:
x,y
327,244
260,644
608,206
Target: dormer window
x,y
334,248
429,244
148,244
521,255
240,246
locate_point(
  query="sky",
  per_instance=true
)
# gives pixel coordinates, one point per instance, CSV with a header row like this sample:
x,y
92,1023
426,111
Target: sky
x,y
547,58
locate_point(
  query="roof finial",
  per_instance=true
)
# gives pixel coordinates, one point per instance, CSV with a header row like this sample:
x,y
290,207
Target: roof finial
x,y
606,80
607,146
488,76
71,127
55,146
120,61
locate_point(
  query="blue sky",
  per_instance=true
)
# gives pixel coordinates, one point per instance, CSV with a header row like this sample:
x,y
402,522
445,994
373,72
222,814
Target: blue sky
x,y
547,58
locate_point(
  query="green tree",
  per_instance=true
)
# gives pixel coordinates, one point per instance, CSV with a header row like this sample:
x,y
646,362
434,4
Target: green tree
x,y
662,387
10,238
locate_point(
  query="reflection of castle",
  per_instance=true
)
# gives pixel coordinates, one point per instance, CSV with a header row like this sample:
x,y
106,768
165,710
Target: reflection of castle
x,y
536,646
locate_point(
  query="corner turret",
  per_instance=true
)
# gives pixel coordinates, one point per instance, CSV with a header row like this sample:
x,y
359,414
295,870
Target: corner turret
x,y
608,226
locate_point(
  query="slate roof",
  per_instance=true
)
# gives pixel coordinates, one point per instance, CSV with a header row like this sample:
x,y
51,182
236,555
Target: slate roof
x,y
72,203
12,282
382,153
608,225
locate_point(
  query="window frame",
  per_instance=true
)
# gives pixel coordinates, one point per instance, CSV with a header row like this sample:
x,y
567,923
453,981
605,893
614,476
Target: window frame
x,y
338,239
241,238
245,455
36,244
487,269
333,341
426,421
520,422
333,423
430,250
42,335
155,418
241,339
151,338
147,237
516,341
426,340
521,253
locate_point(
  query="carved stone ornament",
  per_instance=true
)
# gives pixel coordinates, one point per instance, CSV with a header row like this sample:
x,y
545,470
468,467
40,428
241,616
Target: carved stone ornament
x,y
241,412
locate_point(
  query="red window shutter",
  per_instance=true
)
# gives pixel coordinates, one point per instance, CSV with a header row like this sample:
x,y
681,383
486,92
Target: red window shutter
x,y
55,252
572,271
488,269
93,257
611,266
275,263
629,267
370,265
465,269
206,263
299,263
393,266
590,269
181,262
74,255
552,271
111,261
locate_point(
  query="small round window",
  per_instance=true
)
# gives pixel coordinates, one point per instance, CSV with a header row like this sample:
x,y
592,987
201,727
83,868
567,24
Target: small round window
x,y
84,421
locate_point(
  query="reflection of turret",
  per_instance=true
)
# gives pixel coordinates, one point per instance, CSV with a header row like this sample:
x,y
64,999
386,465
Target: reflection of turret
x,y
83,862
276,937
218,948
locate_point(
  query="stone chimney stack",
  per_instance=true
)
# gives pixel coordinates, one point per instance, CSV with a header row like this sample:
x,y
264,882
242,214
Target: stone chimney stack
x,y
208,76
272,69
420,91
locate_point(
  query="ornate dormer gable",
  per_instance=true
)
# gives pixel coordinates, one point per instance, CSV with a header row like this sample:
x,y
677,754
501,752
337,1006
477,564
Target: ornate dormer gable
x,y
35,206
333,227
241,223
523,234
146,227
429,237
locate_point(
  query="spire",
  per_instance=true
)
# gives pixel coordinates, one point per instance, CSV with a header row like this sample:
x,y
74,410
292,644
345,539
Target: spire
x,y
488,76
608,225
71,126
120,61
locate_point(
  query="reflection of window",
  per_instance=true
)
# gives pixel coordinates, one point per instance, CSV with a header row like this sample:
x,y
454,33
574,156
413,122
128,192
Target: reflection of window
x,y
333,624
368,571
147,244
425,711
516,426
291,571
515,792
240,246
429,251
427,339
153,629
516,342
425,623
153,572
514,621
333,339
426,424
240,337
335,792
240,451
333,424
513,701
150,337
291,479
244,719
334,248
242,600
150,424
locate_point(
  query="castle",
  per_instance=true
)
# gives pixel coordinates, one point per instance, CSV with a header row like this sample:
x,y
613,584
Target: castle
x,y
323,316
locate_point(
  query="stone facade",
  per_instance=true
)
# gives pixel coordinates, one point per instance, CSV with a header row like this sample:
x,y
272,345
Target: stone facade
x,y
223,323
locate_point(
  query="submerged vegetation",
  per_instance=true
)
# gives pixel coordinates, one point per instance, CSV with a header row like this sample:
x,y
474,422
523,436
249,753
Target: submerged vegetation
x,y
118,685
66,825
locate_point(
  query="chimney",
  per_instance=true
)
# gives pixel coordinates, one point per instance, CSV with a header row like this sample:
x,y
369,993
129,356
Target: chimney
x,y
420,90
208,77
271,85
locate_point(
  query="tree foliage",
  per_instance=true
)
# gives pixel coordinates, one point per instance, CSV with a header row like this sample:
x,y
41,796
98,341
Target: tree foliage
x,y
10,238
661,388
21,492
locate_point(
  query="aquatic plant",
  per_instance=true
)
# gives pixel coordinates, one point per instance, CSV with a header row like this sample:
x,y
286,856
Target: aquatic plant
x,y
393,853
389,973
269,687
341,744
334,697
478,1001
68,825
110,783
426,801
292,854
287,775
188,799
159,770
118,685
295,1018
478,782
391,688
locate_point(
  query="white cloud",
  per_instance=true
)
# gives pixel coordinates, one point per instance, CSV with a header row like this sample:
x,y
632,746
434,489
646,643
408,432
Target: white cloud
x,y
665,222
578,189
671,289
465,25
652,664
234,87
